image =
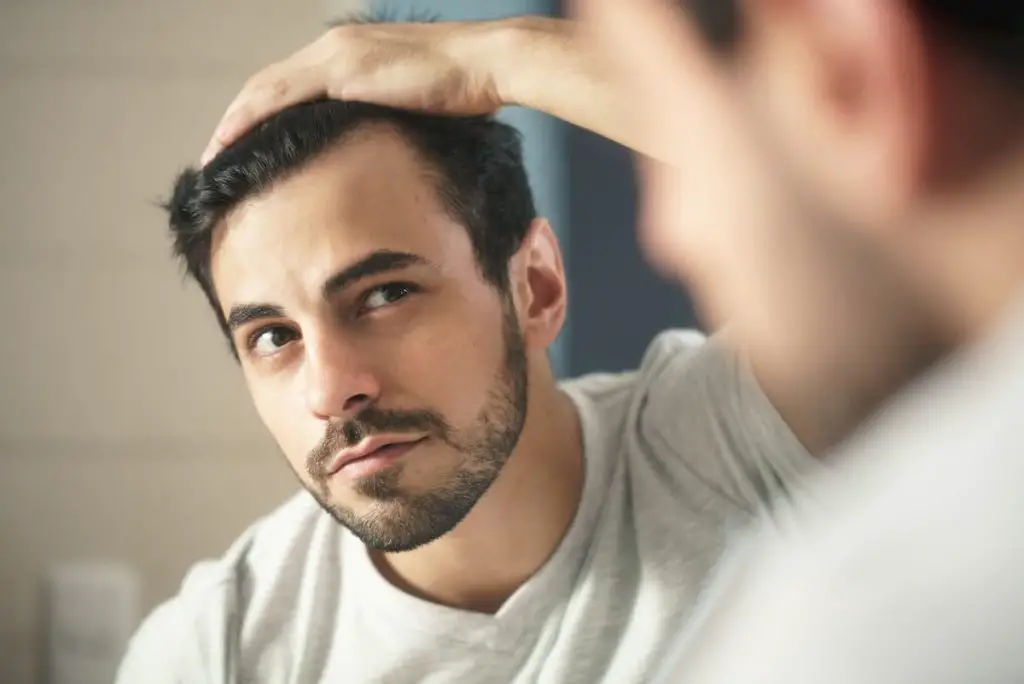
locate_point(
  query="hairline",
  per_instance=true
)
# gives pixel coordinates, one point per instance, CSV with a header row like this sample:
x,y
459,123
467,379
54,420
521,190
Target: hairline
x,y
428,169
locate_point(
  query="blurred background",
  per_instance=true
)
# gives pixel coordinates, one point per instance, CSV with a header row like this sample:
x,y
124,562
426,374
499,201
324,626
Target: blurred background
x,y
128,446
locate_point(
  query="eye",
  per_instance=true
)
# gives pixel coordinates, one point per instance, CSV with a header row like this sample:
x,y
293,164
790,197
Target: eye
x,y
384,295
269,341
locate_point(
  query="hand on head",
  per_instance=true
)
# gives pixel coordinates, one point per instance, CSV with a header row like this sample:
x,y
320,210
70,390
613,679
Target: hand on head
x,y
420,66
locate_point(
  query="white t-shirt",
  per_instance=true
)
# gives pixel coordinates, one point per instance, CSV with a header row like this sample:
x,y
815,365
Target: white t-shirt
x,y
677,454
903,563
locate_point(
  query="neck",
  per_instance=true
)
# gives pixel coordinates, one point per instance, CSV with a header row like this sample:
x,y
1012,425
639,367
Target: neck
x,y
886,315
838,331
976,255
842,352
516,526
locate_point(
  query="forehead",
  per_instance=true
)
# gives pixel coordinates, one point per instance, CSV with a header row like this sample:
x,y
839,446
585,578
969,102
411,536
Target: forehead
x,y
371,192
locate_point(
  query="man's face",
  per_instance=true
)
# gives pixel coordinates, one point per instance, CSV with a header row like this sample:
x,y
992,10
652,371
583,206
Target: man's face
x,y
392,376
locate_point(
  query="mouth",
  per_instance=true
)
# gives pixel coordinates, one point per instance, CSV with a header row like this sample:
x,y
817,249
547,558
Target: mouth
x,y
372,454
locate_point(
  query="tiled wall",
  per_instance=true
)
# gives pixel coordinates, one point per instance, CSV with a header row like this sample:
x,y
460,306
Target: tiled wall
x,y
125,429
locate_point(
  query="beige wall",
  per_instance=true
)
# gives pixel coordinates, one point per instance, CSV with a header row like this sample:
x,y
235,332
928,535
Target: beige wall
x,y
126,431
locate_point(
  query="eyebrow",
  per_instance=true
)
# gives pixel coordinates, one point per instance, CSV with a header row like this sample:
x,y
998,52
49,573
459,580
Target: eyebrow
x,y
241,314
375,263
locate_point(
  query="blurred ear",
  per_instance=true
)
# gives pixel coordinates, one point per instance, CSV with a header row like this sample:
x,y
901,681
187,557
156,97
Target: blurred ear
x,y
538,284
843,87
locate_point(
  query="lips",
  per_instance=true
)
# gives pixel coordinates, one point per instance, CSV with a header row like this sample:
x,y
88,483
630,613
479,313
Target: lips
x,y
368,448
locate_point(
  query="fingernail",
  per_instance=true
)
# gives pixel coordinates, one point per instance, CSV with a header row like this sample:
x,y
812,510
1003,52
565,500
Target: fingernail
x,y
209,153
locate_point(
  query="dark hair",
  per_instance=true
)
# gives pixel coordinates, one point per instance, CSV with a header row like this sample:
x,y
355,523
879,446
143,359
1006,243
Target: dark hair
x,y
476,164
991,29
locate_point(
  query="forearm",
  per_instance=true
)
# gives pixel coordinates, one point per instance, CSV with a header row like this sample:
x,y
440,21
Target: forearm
x,y
550,65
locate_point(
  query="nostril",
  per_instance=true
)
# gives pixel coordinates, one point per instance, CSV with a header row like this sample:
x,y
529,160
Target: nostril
x,y
356,401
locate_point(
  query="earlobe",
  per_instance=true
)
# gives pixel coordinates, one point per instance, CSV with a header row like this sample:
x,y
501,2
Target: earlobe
x,y
879,84
845,82
901,93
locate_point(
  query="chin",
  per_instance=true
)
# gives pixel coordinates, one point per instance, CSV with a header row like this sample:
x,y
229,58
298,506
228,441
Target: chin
x,y
392,511
402,521
394,527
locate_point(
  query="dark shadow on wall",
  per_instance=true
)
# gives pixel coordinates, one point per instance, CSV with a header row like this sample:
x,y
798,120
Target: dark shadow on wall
x,y
617,303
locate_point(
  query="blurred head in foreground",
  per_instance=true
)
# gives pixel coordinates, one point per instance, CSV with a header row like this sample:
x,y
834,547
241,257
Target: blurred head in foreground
x,y
841,174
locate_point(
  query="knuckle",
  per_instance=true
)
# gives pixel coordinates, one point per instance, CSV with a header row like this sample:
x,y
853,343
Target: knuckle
x,y
336,37
278,88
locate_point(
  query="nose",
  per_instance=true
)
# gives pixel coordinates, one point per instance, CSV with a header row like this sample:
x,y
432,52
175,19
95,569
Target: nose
x,y
339,380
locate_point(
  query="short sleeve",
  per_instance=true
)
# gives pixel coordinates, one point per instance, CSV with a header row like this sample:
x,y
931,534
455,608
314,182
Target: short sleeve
x,y
701,415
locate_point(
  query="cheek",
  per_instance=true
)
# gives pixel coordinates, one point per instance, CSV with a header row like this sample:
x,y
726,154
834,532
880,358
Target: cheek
x,y
449,366
285,416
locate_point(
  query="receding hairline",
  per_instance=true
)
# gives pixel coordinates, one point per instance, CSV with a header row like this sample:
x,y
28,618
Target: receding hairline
x,y
362,132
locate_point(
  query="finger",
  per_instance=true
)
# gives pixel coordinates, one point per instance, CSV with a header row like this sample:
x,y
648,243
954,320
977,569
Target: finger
x,y
278,90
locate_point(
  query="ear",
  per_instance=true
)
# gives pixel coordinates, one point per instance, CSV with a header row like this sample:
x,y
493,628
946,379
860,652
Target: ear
x,y
843,86
538,284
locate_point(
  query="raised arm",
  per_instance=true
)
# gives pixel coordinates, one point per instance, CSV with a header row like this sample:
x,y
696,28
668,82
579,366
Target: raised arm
x,y
458,68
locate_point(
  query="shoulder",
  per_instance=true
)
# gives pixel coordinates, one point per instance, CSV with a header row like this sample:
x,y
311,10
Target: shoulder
x,y
688,362
674,358
675,363
678,366
672,346
195,634
864,542
610,393
694,416
268,549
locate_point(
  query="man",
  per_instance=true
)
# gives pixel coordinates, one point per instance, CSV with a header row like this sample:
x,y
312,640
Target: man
x,y
895,128
870,152
389,293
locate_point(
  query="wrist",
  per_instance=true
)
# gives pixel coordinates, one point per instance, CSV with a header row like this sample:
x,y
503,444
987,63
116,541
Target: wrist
x,y
505,55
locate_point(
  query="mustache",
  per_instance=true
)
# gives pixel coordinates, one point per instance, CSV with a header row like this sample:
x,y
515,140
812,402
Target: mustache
x,y
371,421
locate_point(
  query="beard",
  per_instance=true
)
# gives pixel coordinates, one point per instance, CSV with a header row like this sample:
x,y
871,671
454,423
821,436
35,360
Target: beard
x,y
399,520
